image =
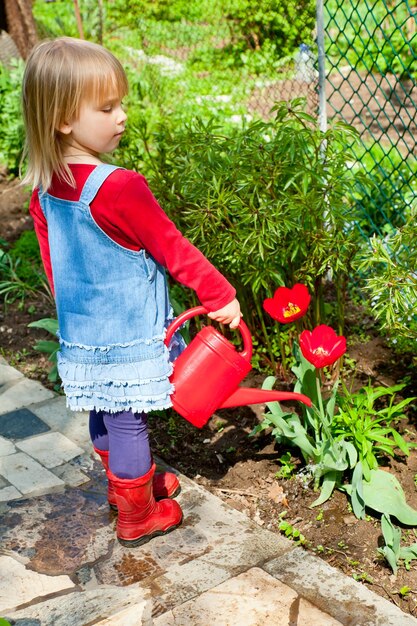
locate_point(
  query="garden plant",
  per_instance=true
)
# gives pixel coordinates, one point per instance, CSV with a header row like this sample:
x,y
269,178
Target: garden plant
x,y
344,435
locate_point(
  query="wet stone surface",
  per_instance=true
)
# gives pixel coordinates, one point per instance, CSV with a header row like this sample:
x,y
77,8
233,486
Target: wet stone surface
x,y
57,531
124,566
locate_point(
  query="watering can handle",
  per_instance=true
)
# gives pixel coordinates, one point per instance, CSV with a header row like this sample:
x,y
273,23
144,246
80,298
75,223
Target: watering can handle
x,y
201,310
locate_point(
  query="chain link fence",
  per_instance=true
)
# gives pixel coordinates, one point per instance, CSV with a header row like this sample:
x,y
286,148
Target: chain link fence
x,y
368,80
225,59
370,83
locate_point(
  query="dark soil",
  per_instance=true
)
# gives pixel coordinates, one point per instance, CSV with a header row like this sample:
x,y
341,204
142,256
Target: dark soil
x,y
236,467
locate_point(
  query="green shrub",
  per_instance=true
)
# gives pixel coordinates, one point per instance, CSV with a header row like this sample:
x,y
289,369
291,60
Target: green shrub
x,y
11,123
266,203
283,24
389,265
26,250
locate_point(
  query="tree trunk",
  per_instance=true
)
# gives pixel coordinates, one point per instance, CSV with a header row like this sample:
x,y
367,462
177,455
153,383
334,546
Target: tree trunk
x,y
20,24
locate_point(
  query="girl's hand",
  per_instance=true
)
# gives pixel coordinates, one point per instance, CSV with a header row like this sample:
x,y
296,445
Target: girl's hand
x,y
229,314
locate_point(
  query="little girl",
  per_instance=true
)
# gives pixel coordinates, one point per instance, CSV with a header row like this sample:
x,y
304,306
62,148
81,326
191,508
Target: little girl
x,y
105,242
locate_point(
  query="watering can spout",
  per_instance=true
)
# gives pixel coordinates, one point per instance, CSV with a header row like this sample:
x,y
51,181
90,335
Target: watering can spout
x,y
247,395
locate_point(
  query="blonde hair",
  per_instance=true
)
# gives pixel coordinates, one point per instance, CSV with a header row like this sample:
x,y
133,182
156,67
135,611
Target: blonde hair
x,y
60,75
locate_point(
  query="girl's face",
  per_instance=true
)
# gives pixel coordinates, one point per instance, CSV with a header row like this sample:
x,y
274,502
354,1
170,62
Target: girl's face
x,y
97,130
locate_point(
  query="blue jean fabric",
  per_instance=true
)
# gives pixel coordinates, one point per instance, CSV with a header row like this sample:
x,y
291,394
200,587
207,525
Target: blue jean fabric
x,y
113,308
125,436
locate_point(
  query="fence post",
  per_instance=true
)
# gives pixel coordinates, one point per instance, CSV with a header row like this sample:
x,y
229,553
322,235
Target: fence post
x,y
321,59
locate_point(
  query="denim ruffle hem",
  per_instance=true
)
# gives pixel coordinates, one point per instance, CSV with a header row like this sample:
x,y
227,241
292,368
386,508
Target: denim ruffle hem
x,y
119,377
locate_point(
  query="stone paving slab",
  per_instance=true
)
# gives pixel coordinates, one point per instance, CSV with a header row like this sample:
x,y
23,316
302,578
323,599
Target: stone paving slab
x,y
253,598
51,449
59,418
22,393
72,476
19,585
9,493
345,599
20,424
6,447
133,616
27,475
88,607
8,373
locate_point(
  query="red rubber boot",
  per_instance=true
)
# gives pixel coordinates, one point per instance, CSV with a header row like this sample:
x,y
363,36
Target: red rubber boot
x,y
141,517
165,484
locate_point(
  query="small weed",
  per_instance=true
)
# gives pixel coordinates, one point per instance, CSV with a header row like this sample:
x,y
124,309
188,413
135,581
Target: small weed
x,y
320,516
287,469
292,533
363,577
404,591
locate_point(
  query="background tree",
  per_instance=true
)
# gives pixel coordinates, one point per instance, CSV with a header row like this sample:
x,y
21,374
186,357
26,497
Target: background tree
x,y
16,18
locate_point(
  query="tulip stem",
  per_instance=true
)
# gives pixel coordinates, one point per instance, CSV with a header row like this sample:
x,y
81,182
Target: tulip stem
x,y
319,397
282,353
324,424
265,333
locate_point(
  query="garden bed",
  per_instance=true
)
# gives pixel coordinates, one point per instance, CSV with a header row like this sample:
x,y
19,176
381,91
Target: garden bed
x,y
241,469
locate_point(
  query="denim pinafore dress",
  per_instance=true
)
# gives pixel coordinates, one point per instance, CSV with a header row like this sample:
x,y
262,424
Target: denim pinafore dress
x,y
113,308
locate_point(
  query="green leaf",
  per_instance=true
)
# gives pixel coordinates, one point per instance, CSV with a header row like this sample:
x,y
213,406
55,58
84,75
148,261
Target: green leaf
x,y
401,443
329,483
49,324
391,534
408,553
383,493
357,500
352,453
50,347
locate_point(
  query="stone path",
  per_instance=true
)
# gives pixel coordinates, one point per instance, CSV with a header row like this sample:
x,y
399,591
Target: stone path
x,y
61,566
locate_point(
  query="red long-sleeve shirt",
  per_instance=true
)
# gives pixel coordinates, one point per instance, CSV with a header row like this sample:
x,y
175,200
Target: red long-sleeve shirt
x,y
125,209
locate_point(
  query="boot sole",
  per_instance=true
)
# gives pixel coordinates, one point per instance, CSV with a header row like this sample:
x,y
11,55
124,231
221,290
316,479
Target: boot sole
x,y
176,493
135,543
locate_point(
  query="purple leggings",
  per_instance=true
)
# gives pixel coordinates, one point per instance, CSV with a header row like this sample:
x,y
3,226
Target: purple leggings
x,y
125,436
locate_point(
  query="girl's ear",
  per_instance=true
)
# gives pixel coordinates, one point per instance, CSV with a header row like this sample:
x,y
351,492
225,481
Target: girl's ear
x,y
65,128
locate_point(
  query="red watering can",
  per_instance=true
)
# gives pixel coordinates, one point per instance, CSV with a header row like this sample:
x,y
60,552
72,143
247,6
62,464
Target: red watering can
x,y
207,373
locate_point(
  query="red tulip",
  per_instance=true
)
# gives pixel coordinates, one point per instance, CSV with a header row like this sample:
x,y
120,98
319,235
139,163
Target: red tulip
x,y
322,346
287,304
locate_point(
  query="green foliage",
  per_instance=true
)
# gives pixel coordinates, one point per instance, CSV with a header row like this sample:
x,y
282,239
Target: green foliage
x,y
391,281
344,436
266,203
21,270
56,19
25,252
223,32
11,123
327,458
371,430
284,25
292,533
162,10
392,551
287,468
50,348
